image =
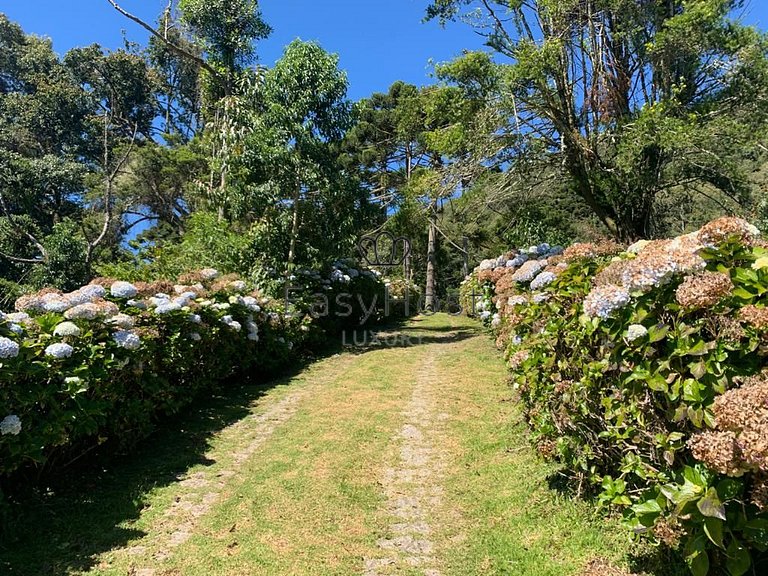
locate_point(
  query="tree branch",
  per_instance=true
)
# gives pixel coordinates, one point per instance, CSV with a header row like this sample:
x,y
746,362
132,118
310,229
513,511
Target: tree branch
x,y
173,47
24,260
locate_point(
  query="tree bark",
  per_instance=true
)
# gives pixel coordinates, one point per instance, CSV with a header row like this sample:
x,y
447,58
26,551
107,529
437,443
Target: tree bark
x,y
431,287
294,237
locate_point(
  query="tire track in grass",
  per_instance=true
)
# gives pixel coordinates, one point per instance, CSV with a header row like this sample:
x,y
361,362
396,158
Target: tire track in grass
x,y
199,492
413,488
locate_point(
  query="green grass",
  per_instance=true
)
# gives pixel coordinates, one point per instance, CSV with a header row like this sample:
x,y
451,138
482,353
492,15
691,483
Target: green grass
x,y
308,500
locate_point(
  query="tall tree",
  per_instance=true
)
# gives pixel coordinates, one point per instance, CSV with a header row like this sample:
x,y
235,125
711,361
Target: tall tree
x,y
292,154
404,143
227,31
628,98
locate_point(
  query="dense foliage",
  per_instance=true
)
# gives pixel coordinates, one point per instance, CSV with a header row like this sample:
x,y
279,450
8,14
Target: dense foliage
x,y
641,371
106,361
625,99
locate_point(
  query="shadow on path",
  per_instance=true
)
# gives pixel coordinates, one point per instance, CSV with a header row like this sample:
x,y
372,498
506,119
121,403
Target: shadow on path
x,y
60,526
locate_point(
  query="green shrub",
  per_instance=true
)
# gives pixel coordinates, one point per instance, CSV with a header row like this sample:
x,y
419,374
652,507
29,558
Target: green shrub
x,y
641,374
106,361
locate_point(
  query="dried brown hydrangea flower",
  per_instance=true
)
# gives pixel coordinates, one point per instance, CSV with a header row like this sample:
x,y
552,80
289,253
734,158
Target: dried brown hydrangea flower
x,y
222,283
759,493
104,281
590,250
719,451
485,276
547,449
725,228
728,329
611,274
754,316
668,531
736,408
517,359
703,290
740,443
147,289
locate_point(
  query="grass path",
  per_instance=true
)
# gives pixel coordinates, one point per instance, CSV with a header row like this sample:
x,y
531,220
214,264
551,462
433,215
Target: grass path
x,y
407,459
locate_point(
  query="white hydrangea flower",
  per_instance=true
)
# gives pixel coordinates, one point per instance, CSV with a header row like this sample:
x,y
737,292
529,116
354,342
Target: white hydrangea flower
x,y
127,339
496,321
140,304
252,304
233,324
59,350
637,246
635,331
10,425
16,328
209,273
18,317
220,306
516,340
122,289
86,294
167,307
539,297
182,302
195,318
251,326
643,278
195,337
93,291
602,301
159,299
72,380
485,315
123,321
57,305
238,286
543,279
8,348
66,329
253,336
86,311
486,265
529,270
517,300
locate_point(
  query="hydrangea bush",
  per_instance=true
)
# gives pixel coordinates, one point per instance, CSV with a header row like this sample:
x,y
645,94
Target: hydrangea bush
x,y
642,372
106,361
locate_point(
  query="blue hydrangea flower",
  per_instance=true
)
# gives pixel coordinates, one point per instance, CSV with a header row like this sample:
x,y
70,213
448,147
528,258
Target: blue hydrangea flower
x,y
127,339
10,425
8,348
59,351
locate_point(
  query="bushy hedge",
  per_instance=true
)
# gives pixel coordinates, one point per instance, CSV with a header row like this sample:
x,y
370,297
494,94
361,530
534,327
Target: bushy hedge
x,y
106,361
641,371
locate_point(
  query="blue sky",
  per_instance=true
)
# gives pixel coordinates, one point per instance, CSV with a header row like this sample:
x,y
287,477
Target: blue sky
x,y
378,41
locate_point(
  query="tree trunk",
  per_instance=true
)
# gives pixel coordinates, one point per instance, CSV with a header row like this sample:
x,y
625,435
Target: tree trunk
x,y
431,287
294,237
